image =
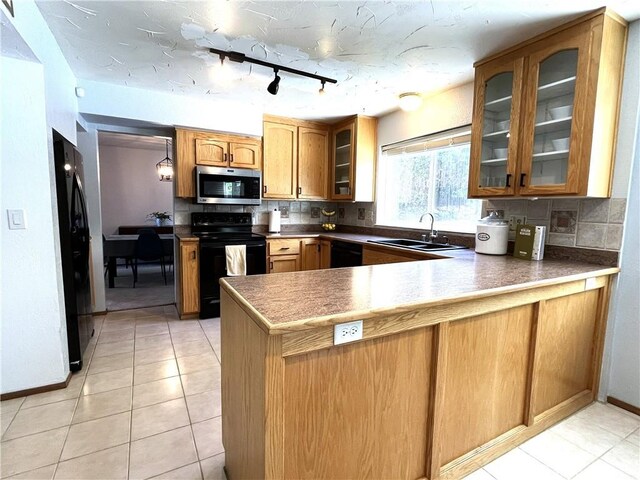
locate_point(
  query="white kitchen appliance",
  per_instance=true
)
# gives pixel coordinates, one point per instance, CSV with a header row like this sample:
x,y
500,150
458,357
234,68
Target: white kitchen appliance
x,y
492,235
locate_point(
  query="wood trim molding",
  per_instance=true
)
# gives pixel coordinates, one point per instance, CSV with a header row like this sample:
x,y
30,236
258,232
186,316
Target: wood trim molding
x,y
296,342
36,390
623,405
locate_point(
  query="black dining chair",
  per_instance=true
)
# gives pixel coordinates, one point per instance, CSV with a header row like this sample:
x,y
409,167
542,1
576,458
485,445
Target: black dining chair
x,y
148,249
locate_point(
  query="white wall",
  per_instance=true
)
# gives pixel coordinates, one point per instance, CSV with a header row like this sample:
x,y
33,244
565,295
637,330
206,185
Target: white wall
x,y
34,345
130,188
449,109
35,100
108,100
621,366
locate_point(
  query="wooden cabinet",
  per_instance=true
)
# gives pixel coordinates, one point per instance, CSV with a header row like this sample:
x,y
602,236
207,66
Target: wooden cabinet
x,y
546,111
283,255
195,147
295,254
376,255
189,278
311,257
353,159
296,156
325,254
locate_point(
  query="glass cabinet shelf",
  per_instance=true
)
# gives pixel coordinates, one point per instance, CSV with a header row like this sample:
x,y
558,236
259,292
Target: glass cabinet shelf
x,y
553,125
493,136
499,104
494,161
343,165
549,156
341,147
566,86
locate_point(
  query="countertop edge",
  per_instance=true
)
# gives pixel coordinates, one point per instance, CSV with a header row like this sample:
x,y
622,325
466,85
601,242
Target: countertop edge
x,y
324,321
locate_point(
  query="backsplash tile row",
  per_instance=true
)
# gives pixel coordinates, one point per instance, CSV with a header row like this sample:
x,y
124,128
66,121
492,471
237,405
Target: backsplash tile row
x,y
588,222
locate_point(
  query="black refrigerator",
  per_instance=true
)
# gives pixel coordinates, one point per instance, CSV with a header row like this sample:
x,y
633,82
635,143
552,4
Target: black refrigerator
x,y
74,249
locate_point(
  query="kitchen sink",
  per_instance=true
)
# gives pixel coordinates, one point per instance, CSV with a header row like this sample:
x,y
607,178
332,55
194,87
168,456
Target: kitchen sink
x,y
417,244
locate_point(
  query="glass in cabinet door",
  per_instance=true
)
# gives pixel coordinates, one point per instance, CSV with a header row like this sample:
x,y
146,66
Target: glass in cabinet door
x,y
496,125
342,162
554,117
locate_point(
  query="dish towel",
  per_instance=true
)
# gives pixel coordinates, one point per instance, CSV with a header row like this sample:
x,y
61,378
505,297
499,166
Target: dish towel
x,y
236,260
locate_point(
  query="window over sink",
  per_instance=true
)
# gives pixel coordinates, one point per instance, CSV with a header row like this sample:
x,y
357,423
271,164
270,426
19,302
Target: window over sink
x,y
427,174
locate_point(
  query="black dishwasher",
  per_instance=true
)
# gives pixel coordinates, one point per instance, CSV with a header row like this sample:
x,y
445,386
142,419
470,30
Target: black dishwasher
x,y
345,254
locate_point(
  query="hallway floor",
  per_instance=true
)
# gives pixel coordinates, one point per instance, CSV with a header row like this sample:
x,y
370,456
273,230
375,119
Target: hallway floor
x,y
150,289
147,405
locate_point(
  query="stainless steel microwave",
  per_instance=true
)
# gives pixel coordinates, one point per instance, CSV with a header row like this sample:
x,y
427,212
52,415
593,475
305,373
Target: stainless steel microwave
x,y
228,186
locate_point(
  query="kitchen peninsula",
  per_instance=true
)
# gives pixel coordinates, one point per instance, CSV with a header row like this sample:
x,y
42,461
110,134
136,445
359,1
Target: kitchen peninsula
x,y
461,359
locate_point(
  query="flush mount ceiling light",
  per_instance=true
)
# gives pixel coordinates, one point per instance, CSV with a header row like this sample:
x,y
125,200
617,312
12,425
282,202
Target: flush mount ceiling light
x,y
274,85
409,101
165,167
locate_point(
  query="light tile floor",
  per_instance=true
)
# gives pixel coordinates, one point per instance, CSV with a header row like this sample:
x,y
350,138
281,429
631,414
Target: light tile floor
x,y
147,405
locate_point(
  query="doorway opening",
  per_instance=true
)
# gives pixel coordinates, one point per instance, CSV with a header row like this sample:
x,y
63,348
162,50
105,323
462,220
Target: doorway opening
x,y
137,220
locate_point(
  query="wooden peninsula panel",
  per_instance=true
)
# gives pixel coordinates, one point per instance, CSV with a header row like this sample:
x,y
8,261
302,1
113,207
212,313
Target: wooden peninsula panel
x,y
432,391
566,330
359,410
485,388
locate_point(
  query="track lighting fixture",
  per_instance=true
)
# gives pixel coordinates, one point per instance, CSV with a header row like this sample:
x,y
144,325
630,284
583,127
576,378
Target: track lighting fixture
x,y
321,91
274,85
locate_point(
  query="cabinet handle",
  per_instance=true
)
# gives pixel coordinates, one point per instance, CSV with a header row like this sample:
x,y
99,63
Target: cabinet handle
x,y
270,265
231,156
508,184
299,190
285,248
193,255
224,156
522,175
264,189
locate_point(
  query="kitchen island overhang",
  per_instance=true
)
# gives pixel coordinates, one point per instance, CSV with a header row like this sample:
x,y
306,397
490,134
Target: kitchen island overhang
x,y
451,372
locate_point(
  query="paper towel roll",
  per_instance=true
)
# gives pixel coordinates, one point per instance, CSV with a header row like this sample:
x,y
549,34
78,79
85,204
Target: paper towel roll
x,y
274,221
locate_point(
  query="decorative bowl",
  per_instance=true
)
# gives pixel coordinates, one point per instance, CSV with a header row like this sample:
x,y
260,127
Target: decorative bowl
x,y
561,112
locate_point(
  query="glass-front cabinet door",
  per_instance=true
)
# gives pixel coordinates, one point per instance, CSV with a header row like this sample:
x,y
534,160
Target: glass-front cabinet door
x,y
494,139
342,163
555,99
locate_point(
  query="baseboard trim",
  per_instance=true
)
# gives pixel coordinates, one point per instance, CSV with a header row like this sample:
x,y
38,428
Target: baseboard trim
x,y
35,390
623,405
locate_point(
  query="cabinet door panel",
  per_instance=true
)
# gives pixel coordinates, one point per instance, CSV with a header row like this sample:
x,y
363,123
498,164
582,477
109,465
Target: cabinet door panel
x,y
185,163
211,152
280,160
284,263
189,278
563,366
342,168
325,254
496,120
245,155
313,159
554,130
310,254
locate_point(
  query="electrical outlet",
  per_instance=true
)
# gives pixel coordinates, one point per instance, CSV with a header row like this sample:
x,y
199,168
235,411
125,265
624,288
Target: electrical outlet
x,y
347,332
515,220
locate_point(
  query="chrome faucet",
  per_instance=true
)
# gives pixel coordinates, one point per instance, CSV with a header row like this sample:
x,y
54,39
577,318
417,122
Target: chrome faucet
x,y
433,234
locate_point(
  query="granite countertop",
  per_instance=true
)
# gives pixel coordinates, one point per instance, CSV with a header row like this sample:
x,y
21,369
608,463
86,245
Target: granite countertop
x,y
341,294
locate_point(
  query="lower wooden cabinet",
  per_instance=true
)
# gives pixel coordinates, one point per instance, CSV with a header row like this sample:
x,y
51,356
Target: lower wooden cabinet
x,y
376,255
295,254
189,283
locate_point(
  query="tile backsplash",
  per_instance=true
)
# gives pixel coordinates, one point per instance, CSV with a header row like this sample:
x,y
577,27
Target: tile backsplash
x,y
571,222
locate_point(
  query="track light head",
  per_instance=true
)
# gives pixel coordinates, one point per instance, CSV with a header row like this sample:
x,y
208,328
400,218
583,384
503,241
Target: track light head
x,y
321,91
275,85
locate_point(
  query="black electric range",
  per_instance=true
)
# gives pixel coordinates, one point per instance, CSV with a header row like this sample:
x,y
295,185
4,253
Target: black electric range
x,y
216,230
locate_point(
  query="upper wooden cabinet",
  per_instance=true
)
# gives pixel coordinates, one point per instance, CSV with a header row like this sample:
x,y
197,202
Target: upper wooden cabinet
x,y
353,159
213,149
546,112
296,157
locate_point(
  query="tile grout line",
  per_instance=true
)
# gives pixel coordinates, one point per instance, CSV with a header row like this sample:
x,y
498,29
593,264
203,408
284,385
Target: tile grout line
x,y
133,381
184,396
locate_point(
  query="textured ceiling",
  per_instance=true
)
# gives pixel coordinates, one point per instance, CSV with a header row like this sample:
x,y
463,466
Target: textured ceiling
x,y
376,50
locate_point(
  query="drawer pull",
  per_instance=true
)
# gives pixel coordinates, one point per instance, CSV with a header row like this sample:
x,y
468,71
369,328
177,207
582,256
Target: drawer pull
x,y
285,248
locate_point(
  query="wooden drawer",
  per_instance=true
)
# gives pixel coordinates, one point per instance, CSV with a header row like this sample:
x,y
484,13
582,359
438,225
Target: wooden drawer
x,y
283,246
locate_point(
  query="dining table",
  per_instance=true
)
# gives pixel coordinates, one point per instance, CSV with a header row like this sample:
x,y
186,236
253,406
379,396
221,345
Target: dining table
x,y
124,246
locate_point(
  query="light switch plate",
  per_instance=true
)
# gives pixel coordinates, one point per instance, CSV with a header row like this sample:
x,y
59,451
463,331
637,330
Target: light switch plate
x,y
347,332
17,219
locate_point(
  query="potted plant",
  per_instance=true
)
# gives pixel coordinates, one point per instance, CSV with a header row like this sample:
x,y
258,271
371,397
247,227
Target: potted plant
x,y
159,217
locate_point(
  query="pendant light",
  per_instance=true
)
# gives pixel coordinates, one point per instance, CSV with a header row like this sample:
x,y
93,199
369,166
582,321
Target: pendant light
x,y
165,167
